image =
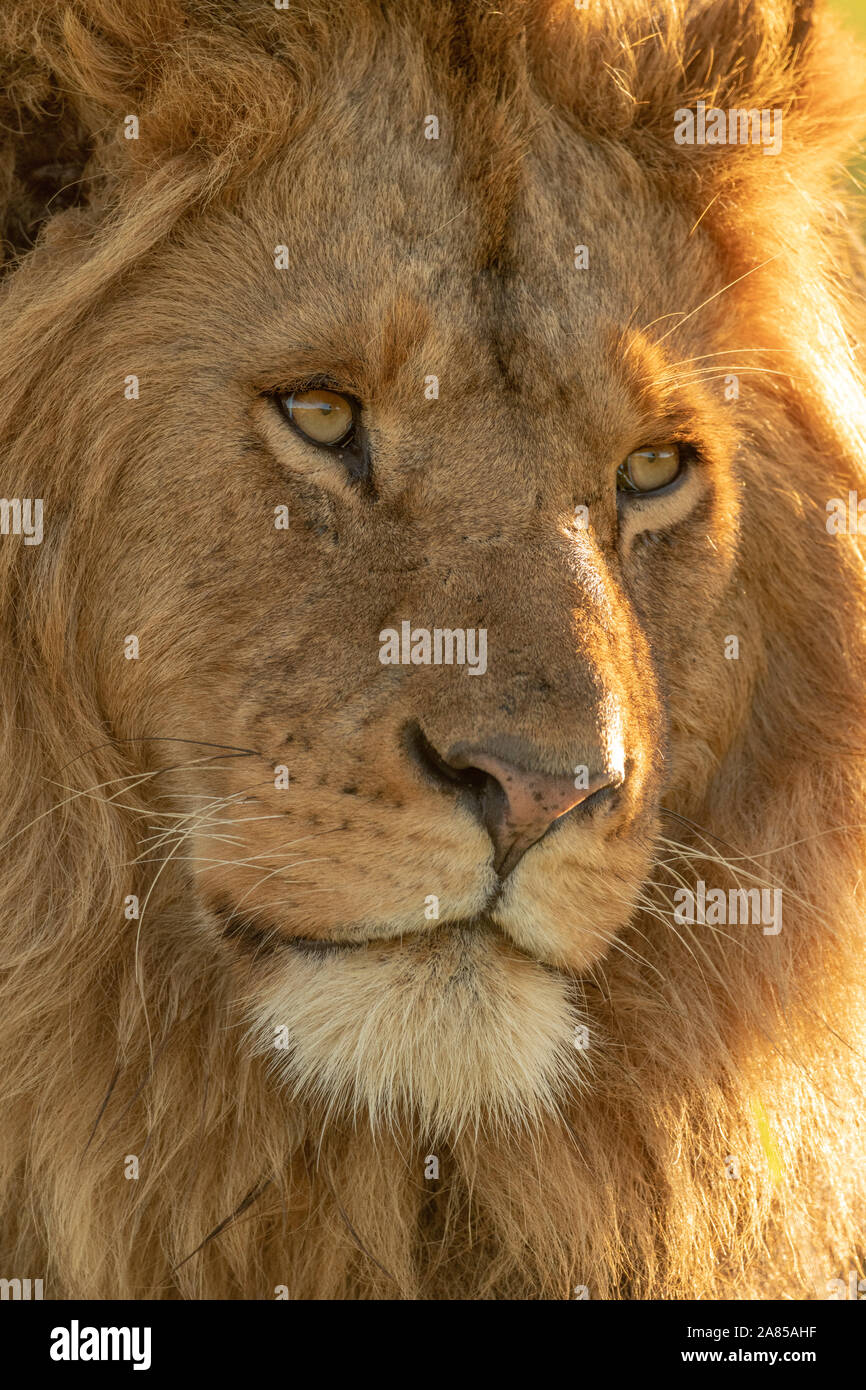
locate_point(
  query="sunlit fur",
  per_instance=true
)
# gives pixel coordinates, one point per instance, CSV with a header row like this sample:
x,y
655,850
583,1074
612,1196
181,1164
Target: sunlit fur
x,y
121,1038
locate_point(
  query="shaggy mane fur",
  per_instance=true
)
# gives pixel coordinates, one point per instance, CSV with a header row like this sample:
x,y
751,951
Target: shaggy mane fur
x,y
116,1043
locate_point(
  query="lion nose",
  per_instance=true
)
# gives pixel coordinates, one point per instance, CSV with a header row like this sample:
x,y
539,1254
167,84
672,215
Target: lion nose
x,y
517,805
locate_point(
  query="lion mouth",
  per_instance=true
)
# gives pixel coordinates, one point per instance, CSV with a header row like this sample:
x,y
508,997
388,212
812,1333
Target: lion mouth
x,y
257,937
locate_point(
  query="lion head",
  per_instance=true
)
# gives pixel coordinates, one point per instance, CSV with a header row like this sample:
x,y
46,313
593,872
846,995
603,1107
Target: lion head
x,y
431,708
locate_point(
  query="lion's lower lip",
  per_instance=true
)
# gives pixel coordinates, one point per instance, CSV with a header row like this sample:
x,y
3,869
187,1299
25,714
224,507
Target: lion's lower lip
x,y
316,946
263,939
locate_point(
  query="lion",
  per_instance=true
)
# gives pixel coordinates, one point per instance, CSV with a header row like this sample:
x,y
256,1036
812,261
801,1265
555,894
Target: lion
x,y
335,336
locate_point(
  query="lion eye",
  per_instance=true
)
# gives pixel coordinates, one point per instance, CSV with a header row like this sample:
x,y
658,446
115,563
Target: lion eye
x,y
322,416
647,470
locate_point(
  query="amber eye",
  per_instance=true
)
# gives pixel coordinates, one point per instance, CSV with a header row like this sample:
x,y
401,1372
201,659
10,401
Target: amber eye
x,y
323,416
647,470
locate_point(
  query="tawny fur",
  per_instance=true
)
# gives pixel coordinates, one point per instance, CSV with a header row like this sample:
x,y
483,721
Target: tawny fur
x,y
116,1040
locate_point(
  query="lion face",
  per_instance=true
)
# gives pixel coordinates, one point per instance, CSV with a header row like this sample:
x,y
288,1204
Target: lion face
x,y
398,853
437,459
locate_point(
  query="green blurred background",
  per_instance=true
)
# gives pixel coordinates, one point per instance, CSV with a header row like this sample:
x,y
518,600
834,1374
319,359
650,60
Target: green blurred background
x,y
853,13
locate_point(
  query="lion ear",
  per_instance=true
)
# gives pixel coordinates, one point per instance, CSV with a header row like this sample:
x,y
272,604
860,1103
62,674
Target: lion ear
x,y
43,164
733,48
66,79
790,56
44,143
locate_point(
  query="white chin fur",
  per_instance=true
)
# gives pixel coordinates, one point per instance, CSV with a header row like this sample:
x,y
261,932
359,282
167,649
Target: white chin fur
x,y
448,1031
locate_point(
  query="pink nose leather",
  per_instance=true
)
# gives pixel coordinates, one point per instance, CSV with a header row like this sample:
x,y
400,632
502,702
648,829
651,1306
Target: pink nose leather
x,y
519,807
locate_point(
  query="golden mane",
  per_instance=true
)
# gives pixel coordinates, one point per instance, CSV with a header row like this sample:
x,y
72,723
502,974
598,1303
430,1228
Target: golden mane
x,y
111,1041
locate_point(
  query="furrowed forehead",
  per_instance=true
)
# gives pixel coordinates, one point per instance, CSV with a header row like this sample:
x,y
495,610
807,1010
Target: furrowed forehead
x,y
387,186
